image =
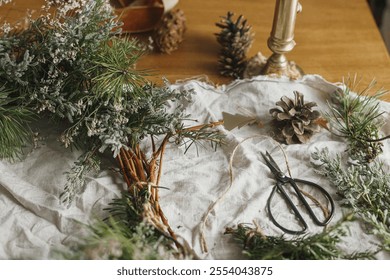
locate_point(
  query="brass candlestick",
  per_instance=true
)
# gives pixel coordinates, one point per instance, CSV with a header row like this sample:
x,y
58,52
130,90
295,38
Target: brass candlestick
x,y
280,42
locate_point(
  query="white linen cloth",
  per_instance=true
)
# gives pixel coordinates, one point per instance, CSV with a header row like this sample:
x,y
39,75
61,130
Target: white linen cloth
x,y
33,222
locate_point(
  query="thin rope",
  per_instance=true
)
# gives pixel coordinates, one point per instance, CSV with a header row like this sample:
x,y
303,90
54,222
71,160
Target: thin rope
x,y
203,242
203,222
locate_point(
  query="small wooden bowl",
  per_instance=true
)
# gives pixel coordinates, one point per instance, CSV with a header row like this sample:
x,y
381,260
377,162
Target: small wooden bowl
x,y
138,16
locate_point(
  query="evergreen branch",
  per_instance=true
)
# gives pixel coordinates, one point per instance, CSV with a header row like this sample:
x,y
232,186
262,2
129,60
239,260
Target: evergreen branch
x,y
320,246
73,68
358,119
364,187
199,134
76,177
113,67
114,240
14,126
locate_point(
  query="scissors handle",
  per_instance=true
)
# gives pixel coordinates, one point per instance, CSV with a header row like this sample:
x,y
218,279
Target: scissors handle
x,y
306,204
279,187
292,182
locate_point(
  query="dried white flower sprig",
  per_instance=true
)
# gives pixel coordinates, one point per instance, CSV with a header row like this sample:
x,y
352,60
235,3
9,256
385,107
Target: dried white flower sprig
x,y
2,2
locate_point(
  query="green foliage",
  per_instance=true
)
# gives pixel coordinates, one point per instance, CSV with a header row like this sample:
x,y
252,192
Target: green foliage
x,y
364,187
86,164
358,119
14,126
129,207
114,241
125,234
114,66
73,69
320,246
47,63
200,135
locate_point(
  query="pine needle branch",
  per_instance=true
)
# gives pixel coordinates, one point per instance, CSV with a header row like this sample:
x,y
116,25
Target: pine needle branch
x,y
14,126
114,240
358,119
114,66
320,246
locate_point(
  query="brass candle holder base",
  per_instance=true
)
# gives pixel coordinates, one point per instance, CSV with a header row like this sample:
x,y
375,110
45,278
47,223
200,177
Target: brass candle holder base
x,y
280,42
276,65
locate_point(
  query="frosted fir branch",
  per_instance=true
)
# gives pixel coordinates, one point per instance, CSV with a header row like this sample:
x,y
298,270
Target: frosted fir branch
x,y
14,69
76,177
48,61
364,187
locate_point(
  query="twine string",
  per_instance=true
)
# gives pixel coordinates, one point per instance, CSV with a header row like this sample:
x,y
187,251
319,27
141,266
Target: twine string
x,y
203,242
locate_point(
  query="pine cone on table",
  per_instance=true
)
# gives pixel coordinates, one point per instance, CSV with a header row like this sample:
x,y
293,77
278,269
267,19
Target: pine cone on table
x,y
295,120
235,39
170,32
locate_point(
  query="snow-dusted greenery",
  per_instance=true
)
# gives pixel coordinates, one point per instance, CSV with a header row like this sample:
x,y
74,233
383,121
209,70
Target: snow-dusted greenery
x,y
71,69
364,187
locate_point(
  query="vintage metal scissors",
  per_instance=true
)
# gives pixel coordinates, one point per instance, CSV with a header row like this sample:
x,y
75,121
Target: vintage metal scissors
x,y
281,181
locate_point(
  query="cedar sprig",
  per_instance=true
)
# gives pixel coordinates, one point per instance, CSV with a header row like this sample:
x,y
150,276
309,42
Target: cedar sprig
x,y
319,246
358,119
87,164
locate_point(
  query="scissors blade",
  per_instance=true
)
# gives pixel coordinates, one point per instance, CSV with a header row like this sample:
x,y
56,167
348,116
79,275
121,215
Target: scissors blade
x,y
271,164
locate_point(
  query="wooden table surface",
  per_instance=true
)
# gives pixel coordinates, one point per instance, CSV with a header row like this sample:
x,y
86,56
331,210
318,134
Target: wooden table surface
x,y
334,38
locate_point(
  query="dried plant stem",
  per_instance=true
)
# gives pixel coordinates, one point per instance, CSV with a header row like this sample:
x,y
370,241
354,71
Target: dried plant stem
x,y
202,126
140,172
161,157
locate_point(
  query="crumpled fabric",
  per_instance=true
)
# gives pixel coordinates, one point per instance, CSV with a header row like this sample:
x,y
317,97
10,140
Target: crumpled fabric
x,y
33,222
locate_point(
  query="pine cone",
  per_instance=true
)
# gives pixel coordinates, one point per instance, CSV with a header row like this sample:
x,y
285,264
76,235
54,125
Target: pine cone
x,y
296,120
170,32
235,39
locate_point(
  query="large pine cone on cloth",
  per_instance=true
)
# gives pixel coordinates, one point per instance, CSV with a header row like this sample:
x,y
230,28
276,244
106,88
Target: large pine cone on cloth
x,y
295,120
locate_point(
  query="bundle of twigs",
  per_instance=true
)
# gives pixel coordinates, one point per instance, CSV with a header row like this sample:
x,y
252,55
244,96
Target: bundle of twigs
x,y
140,172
